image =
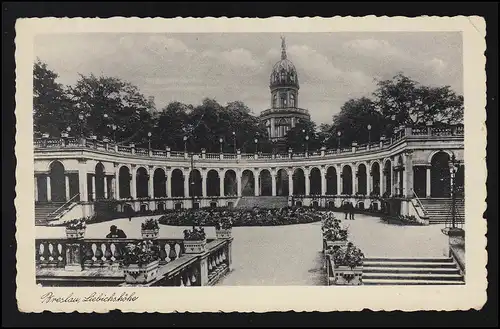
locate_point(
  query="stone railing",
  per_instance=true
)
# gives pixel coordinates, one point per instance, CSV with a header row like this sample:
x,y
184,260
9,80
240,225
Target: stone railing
x,y
66,262
400,134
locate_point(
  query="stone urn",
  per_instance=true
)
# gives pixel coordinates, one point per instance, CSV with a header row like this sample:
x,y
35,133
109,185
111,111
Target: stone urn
x,y
223,234
150,234
141,274
195,246
346,276
75,233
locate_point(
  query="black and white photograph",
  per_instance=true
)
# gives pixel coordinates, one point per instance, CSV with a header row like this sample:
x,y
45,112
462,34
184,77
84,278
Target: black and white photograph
x,y
278,158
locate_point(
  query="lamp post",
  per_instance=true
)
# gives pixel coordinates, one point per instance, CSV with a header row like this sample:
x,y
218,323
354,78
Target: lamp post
x,y
338,138
185,143
256,141
234,140
220,142
113,126
307,145
149,141
81,117
369,127
453,171
191,183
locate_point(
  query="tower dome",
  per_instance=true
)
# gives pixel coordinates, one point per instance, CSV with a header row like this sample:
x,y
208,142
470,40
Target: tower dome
x,y
284,73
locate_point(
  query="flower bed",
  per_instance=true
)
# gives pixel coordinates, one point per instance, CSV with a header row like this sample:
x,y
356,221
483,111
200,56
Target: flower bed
x,y
333,234
195,241
150,229
403,220
75,229
346,265
140,262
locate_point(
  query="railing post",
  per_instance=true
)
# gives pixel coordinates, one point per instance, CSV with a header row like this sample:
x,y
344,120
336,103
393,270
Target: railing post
x,y
354,146
116,148
73,256
132,147
429,128
204,270
323,149
255,156
290,153
382,139
203,153
407,131
167,149
238,154
221,156
83,141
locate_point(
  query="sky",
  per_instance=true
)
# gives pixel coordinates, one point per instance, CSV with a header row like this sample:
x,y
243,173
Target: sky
x,y
188,67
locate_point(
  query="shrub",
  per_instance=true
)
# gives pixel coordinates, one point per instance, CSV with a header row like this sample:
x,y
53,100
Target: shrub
x,y
348,255
77,223
195,234
150,224
141,253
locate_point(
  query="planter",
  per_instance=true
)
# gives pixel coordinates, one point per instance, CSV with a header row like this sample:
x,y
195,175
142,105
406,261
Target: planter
x,y
140,274
347,276
150,234
334,244
75,233
223,234
195,246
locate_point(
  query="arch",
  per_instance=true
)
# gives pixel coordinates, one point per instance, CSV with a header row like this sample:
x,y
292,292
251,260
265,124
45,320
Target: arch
x,y
160,206
265,182
100,183
388,178
275,100
282,126
282,182
213,183
292,100
159,183
247,183
331,181
440,175
177,178
315,181
141,180
361,177
57,181
230,183
124,178
299,182
375,175
347,180
195,180
432,154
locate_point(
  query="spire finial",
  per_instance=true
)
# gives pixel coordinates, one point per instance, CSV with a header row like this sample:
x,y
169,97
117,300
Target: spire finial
x,y
283,48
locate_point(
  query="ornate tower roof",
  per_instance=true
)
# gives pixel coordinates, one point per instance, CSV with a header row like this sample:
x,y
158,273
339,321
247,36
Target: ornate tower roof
x,y
284,73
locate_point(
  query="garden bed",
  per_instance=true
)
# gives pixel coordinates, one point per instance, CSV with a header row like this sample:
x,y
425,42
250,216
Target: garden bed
x,y
402,220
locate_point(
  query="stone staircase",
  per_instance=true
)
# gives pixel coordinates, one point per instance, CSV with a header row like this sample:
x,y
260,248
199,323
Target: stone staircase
x,y
411,271
44,209
263,202
439,210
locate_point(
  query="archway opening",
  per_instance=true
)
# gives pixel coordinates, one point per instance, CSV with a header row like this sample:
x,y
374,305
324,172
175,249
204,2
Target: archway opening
x,y
57,182
361,175
375,176
331,181
440,175
282,183
99,181
247,183
159,183
265,182
388,178
347,180
195,188
299,182
124,178
177,184
142,178
213,183
459,181
230,183
315,188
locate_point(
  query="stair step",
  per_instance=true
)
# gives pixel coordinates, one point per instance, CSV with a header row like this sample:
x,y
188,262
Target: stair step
x,y
412,260
408,265
409,282
412,276
412,270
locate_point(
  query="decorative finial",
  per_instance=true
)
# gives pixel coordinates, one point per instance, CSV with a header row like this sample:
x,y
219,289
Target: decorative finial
x,y
283,48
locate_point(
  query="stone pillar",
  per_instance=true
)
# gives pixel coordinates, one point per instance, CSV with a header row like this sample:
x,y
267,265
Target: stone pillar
x,y
307,174
133,185
393,180
49,192
323,181
204,183
186,184
339,180
73,257
204,271
406,188
151,186
368,181
221,183
272,128
105,187
257,183
66,185
428,182
408,173
382,180
168,183
114,190
82,184
238,182
36,188
273,183
354,181
93,187
290,182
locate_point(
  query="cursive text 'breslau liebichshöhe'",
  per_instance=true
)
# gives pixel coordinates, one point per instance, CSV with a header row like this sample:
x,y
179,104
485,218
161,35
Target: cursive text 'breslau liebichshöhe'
x,y
93,297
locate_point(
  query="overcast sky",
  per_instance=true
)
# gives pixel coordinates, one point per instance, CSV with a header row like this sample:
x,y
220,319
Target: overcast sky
x,y
332,67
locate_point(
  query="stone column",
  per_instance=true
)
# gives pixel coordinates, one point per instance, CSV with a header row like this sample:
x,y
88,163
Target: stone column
x,y
368,181
272,128
36,188
133,185
186,184
406,189
93,187
116,181
323,181
204,183
408,173
354,181
393,180
273,183
151,186
82,184
339,180
307,174
49,192
221,183
168,183
113,188
428,182
290,182
66,185
257,183
238,182
382,179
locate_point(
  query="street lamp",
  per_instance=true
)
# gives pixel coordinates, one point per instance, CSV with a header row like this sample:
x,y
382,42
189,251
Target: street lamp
x,y
149,140
307,145
369,127
220,142
185,143
113,126
234,139
453,170
82,118
338,139
256,141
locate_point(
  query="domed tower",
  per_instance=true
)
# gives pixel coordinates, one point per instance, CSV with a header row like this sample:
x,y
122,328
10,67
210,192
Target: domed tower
x,y
284,112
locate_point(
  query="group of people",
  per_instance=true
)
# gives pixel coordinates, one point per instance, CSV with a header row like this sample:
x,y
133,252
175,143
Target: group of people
x,y
348,208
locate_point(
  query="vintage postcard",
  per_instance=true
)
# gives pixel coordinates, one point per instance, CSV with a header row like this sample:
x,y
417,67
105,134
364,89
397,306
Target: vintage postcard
x,y
252,165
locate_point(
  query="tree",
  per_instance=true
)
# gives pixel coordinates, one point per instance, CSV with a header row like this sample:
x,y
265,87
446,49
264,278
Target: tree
x,y
102,102
303,136
170,126
52,109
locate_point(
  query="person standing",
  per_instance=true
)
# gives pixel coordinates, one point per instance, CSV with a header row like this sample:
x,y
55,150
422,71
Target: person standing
x,y
351,211
346,209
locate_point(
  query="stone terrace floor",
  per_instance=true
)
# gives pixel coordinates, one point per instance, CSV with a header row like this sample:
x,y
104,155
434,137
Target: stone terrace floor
x,y
291,254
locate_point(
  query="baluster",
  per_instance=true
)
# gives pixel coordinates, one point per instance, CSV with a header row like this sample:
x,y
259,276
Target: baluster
x,y
166,249
60,258
112,247
94,253
51,252
182,281
107,254
223,255
173,253
89,255
193,277
41,252
178,250
188,280
209,264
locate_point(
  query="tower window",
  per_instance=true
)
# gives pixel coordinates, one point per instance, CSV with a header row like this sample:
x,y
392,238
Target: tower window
x,y
292,100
